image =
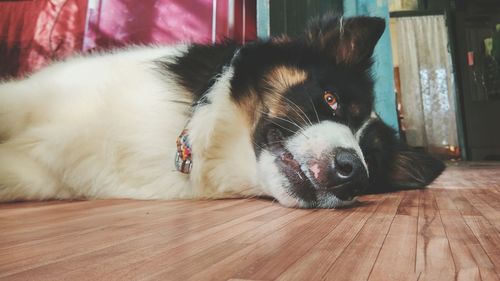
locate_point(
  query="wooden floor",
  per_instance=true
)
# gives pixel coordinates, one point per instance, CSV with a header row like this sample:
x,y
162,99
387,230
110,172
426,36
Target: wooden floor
x,y
450,231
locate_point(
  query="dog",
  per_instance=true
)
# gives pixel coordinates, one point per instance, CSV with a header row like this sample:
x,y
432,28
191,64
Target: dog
x,y
288,118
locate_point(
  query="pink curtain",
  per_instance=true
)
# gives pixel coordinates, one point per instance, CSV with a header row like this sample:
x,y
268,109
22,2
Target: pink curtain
x,y
115,23
32,33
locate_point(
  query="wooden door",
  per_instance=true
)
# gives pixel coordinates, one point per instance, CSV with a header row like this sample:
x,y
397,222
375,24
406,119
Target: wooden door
x,y
477,79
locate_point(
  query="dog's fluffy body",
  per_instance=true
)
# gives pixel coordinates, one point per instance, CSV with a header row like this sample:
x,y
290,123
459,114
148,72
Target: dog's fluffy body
x,y
105,126
95,127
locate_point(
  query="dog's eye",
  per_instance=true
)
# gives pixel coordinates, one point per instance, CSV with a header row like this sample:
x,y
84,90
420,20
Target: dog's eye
x,y
331,100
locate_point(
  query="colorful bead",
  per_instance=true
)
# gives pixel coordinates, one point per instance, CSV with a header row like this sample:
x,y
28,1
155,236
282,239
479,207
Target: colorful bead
x,y
183,161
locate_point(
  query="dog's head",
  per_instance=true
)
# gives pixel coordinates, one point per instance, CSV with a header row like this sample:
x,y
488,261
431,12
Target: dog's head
x,y
308,102
316,139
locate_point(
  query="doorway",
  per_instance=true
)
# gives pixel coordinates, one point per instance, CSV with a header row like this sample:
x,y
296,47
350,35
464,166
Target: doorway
x,y
425,84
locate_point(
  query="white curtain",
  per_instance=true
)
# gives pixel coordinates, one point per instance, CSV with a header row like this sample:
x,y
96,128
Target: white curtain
x,y
427,85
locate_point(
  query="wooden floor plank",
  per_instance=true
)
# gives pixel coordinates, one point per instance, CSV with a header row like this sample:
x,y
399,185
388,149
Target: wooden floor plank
x,y
18,234
357,260
118,239
397,257
184,269
191,258
259,258
468,255
314,264
487,236
481,199
434,260
97,219
450,231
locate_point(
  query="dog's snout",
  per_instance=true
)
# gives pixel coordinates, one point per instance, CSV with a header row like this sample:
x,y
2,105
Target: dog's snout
x,y
343,174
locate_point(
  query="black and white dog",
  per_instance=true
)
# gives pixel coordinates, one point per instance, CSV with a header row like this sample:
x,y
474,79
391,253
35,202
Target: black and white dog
x,y
290,118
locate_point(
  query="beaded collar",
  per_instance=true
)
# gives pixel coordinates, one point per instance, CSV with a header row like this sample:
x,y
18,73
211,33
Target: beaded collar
x,y
183,155
183,160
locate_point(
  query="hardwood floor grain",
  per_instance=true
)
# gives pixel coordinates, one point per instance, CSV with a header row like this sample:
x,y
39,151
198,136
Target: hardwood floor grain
x,y
450,231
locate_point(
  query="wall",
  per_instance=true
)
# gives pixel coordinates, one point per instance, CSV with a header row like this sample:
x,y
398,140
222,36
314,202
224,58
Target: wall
x,y
291,16
385,100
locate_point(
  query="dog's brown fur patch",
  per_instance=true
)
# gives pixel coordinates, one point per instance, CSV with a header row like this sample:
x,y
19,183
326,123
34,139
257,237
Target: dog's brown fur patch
x,y
278,81
273,102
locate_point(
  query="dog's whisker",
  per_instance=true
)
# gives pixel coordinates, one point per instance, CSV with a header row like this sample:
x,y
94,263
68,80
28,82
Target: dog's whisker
x,y
257,145
285,128
276,142
314,108
289,121
303,114
300,131
296,113
294,107
181,102
266,115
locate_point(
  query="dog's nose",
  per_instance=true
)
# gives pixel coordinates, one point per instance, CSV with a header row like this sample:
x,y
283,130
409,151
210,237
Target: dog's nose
x,y
346,166
344,175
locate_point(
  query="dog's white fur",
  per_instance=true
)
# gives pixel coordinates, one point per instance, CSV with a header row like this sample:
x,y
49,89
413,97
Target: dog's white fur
x,y
93,127
105,126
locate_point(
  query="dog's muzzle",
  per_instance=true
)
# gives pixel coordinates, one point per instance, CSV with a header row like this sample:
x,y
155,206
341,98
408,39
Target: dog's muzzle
x,y
343,175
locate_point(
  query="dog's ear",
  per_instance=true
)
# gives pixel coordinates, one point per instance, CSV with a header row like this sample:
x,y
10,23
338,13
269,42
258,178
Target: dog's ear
x,y
414,169
348,41
393,166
